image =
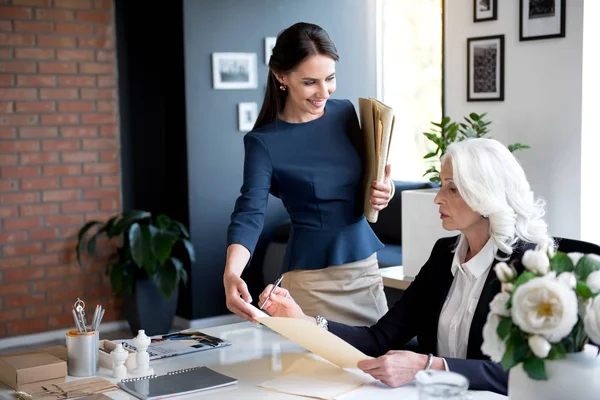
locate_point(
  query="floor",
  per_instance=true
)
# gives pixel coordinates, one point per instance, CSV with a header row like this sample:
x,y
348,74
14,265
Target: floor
x,y
120,334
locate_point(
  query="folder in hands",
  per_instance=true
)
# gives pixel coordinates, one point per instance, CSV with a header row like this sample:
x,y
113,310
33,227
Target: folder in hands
x,y
377,125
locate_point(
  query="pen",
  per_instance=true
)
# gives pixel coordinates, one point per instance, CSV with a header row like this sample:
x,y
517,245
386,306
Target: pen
x,y
277,282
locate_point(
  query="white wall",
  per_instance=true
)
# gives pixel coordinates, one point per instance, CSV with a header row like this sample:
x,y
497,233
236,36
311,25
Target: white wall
x,y
590,132
542,106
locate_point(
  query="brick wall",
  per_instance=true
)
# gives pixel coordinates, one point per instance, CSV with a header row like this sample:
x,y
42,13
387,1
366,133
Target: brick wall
x,y
59,150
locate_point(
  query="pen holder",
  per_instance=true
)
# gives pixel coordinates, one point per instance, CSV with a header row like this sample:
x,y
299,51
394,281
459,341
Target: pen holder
x,y
82,353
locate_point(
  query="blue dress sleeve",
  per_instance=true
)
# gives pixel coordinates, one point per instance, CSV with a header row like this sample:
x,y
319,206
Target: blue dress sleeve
x,y
247,219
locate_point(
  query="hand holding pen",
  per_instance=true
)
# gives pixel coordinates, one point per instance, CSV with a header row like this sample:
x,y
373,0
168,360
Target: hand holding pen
x,y
276,284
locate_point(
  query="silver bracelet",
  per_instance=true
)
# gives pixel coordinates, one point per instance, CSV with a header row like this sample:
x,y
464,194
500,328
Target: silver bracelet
x,y
322,322
429,361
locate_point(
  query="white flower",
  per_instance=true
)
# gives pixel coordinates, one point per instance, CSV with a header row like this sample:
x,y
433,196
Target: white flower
x,y
591,321
543,306
547,248
539,346
507,287
504,272
568,278
498,304
593,281
536,261
575,257
492,345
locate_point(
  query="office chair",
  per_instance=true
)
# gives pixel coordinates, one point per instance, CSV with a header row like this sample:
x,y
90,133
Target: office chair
x,y
572,245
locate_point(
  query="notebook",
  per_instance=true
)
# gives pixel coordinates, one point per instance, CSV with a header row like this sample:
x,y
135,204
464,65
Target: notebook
x,y
175,383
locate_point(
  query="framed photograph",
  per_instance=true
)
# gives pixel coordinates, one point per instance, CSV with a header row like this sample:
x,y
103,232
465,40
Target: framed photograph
x,y
485,10
247,113
485,68
541,19
234,70
269,44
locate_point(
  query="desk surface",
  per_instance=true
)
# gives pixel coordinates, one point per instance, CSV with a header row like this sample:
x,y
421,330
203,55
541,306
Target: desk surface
x,y
257,355
394,277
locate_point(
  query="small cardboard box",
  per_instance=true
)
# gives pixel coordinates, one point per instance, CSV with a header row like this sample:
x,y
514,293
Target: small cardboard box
x,y
19,370
106,346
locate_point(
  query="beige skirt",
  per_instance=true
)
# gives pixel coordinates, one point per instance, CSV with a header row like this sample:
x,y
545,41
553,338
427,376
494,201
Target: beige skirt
x,y
349,293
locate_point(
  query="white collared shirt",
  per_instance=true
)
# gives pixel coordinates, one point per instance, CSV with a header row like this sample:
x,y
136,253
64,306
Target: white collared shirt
x,y
463,296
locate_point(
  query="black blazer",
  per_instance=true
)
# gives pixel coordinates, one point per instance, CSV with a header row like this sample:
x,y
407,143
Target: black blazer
x,y
417,314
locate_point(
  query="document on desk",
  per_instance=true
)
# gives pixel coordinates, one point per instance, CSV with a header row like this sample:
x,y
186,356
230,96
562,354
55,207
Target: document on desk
x,y
311,376
317,340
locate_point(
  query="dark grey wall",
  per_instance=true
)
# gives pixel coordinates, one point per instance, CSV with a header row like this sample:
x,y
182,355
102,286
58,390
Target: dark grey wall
x,y
215,148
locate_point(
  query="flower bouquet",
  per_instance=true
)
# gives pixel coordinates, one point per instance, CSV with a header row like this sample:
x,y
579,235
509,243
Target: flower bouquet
x,y
550,309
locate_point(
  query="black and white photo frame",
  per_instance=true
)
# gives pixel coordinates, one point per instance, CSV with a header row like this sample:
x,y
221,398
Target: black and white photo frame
x,y
234,71
269,44
485,68
247,114
542,19
485,10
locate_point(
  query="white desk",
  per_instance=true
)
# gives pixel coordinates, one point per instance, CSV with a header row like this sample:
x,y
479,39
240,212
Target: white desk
x,y
393,277
257,355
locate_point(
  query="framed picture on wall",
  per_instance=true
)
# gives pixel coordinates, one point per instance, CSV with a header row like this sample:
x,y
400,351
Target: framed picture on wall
x,y
541,19
485,68
485,10
269,44
247,113
234,71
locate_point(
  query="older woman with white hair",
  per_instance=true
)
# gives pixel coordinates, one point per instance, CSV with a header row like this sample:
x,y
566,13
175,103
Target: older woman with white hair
x,y
485,195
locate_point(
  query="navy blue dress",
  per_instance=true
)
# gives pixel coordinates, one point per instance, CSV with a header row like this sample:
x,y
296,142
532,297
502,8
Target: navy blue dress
x,y
315,168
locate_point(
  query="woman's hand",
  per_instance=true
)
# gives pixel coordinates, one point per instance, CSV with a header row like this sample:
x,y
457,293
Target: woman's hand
x,y
381,193
395,368
237,296
280,303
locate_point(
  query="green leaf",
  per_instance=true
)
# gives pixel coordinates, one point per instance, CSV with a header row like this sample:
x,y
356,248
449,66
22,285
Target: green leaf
x,y
534,367
586,266
576,339
560,263
140,241
523,278
116,277
163,221
190,249
557,352
504,327
429,155
583,290
181,272
182,229
435,179
81,238
516,350
431,136
166,279
162,244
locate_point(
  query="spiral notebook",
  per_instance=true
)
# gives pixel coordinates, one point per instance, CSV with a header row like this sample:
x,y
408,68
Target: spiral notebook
x,y
175,383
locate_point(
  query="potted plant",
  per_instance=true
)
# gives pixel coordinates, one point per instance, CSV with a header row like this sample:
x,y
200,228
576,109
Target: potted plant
x,y
539,325
143,268
446,132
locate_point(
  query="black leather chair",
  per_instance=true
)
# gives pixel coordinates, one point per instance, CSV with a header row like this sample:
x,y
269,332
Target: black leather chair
x,y
572,245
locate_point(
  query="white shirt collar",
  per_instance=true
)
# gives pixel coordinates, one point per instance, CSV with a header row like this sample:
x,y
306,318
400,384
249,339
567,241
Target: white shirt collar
x,y
476,265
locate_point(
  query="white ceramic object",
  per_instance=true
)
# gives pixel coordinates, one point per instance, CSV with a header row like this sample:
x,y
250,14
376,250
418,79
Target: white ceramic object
x,y
421,228
119,356
142,359
577,376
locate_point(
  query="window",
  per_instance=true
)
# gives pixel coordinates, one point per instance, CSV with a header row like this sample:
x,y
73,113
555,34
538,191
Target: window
x,y
409,44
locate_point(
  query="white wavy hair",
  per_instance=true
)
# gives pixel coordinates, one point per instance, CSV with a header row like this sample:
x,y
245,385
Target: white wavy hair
x,y
492,182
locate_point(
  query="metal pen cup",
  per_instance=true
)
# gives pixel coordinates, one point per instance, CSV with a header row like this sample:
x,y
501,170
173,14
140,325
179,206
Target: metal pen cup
x,y
82,353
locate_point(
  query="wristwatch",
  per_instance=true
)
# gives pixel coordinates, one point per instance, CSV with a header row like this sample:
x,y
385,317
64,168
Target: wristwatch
x,y
322,322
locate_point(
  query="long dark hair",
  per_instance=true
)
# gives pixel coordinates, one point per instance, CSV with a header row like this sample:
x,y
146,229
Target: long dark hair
x,y
293,45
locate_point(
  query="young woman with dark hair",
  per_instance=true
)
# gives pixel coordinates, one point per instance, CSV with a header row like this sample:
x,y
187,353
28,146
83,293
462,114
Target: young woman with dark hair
x,y
305,148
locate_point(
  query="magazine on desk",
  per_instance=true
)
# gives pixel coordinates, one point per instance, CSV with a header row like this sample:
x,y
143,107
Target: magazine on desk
x,y
177,343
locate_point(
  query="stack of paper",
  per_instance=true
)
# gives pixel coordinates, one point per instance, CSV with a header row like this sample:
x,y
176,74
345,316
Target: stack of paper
x,y
311,376
377,125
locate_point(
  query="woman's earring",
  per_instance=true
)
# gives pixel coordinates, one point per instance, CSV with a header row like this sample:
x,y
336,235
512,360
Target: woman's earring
x,y
485,217
282,87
